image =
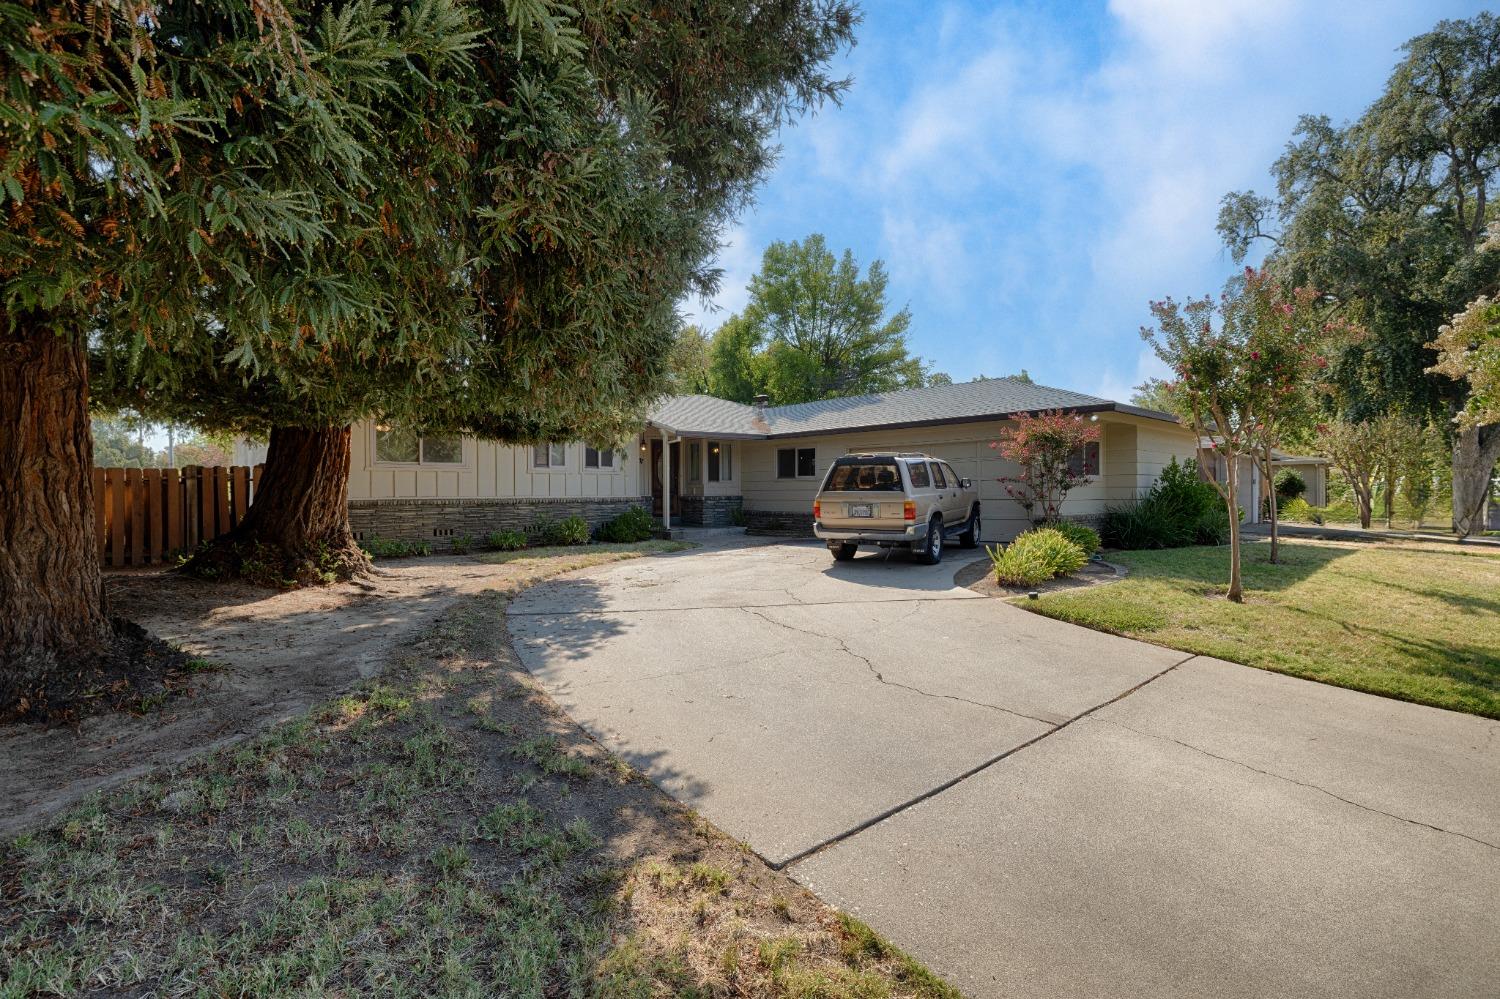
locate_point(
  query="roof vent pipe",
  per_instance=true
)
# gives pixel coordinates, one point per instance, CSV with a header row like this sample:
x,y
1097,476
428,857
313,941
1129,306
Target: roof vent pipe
x,y
762,401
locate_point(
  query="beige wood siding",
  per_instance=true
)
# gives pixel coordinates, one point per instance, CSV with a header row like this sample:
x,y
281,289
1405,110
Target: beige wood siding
x,y
965,446
491,470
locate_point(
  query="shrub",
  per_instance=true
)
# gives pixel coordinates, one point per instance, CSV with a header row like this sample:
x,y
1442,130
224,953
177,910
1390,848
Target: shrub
x,y
1301,511
634,524
1084,537
391,548
1289,486
505,541
462,544
1179,509
568,531
1037,556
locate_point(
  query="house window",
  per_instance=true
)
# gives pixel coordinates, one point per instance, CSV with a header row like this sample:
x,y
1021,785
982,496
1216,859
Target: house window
x,y
1085,460
594,458
796,462
720,462
694,462
402,446
549,456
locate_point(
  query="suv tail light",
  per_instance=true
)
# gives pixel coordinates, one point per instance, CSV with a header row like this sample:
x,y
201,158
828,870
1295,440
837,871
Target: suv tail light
x,y
817,509
909,510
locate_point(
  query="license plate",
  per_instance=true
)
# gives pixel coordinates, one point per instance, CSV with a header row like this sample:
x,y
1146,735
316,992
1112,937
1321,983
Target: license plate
x,y
860,510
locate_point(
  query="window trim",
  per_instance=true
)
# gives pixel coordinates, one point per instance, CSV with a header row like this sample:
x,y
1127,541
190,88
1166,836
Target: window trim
x,y
599,467
1099,472
718,461
375,461
797,463
550,465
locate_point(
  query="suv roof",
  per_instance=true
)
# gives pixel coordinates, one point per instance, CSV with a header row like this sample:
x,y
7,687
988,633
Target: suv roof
x,y
890,454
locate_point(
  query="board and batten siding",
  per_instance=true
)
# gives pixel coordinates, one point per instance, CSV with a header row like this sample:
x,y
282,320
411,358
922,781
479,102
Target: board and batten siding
x,y
490,470
1133,451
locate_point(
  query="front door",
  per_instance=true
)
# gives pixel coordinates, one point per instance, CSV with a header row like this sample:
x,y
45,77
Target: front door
x,y
656,480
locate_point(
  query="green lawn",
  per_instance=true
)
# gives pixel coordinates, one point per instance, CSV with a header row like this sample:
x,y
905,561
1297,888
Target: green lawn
x,y
1417,622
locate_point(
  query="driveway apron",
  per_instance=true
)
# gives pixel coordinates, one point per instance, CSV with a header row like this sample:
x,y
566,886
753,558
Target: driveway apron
x,y
1031,807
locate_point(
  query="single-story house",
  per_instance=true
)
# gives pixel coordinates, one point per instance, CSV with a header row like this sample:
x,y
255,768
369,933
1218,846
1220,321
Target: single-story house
x,y
700,460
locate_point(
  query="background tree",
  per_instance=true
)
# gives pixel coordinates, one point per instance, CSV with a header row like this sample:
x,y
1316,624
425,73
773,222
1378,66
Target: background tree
x,y
1154,393
691,359
118,443
814,329
1357,449
1468,351
1387,215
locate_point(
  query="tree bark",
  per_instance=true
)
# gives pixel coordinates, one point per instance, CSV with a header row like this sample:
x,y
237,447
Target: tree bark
x,y
296,531
1231,480
1475,452
52,613
1270,481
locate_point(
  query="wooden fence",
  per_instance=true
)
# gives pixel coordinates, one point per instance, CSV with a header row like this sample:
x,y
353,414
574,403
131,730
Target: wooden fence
x,y
151,515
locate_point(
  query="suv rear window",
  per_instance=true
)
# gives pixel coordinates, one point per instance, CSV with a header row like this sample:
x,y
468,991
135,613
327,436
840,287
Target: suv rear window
x,y
863,475
918,472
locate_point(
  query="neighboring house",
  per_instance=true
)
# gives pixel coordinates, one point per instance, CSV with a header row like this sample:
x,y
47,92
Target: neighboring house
x,y
707,461
1253,489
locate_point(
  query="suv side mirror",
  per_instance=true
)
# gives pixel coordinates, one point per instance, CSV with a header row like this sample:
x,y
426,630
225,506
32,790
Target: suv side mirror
x,y
966,483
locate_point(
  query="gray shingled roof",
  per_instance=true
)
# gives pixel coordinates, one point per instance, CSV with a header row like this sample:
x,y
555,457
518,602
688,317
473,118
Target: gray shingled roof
x,y
988,399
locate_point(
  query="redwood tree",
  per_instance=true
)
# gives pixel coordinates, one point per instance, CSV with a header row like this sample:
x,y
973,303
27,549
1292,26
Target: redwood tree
x,y
174,175
609,145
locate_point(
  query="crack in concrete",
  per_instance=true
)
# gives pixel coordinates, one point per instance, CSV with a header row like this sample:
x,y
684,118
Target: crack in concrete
x,y
843,646
874,820
1300,783
940,597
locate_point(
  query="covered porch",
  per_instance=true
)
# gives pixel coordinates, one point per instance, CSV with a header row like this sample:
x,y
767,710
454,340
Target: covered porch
x,y
694,478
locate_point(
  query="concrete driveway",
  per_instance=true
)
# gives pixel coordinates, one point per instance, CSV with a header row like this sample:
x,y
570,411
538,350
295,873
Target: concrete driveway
x,y
1034,808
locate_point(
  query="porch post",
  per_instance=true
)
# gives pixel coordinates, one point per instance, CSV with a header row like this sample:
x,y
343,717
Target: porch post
x,y
666,482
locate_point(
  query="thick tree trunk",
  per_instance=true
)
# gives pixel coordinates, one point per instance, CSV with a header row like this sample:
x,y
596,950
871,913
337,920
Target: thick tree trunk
x,y
1475,452
1390,495
1236,591
297,529
52,615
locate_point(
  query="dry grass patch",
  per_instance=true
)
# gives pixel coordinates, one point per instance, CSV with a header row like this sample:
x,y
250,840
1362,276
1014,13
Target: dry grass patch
x,y
443,830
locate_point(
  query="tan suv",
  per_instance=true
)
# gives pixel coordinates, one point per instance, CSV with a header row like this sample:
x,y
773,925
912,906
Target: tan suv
x,y
893,500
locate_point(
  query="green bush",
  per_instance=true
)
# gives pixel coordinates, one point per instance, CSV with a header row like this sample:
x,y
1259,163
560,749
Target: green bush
x,y
462,544
1300,511
1289,486
568,531
391,548
1084,537
634,524
505,541
1179,509
1036,556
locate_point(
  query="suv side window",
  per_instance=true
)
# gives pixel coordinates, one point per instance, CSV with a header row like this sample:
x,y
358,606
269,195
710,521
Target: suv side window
x,y
917,472
937,476
952,475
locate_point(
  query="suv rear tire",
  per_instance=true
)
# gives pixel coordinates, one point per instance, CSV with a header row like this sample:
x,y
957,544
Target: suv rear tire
x,y
843,552
970,537
930,551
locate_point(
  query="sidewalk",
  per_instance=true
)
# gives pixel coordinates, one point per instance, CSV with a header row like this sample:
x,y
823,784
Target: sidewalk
x,y
1359,534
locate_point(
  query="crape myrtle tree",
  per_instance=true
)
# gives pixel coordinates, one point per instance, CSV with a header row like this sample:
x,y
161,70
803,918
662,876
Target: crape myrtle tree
x,y
1242,366
1387,215
168,172
610,143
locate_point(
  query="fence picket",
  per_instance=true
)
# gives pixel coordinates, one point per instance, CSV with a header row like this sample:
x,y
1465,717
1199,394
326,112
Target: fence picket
x,y
118,516
240,485
101,532
144,516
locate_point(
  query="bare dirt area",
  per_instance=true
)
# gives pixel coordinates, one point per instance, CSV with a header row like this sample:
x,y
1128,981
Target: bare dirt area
x,y
441,829
264,656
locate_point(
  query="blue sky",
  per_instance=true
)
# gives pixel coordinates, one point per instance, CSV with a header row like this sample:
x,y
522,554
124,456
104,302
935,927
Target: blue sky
x,y
1033,174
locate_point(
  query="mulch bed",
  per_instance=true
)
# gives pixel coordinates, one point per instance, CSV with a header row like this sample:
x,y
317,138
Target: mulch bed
x,y
980,577
136,673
